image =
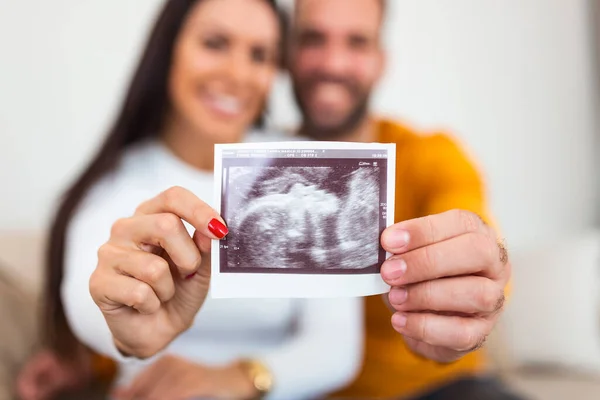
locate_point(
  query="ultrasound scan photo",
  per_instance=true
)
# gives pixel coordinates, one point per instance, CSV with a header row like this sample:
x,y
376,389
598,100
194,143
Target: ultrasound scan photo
x,y
310,218
304,219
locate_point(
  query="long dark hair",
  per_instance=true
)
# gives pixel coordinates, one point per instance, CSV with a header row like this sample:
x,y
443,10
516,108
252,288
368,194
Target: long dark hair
x,y
140,117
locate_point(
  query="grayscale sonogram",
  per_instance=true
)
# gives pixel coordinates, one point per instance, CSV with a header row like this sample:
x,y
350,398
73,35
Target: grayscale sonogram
x,y
316,213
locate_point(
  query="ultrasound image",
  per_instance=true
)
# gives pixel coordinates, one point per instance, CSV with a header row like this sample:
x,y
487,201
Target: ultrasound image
x,y
317,219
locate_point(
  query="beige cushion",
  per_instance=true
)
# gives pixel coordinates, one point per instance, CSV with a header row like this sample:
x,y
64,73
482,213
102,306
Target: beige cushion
x,y
19,315
21,274
22,256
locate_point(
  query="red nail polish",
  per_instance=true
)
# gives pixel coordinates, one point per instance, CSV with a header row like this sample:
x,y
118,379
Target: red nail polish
x,y
217,228
190,276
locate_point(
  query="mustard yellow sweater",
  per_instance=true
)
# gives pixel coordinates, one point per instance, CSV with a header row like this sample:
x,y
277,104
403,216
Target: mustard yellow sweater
x,y
433,174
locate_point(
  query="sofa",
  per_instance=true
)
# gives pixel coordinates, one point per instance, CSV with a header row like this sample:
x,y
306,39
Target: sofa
x,y
555,357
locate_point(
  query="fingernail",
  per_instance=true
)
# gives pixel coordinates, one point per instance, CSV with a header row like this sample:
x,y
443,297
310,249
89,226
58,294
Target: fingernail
x,y
217,228
394,269
190,276
398,295
402,238
399,320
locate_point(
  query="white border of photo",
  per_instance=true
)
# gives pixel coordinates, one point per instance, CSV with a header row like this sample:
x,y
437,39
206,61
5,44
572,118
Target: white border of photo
x,y
288,285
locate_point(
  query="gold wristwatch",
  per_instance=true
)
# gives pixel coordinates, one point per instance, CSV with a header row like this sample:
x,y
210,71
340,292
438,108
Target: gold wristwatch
x,y
259,375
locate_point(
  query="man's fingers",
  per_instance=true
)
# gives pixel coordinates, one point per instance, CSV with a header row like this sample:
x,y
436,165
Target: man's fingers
x,y
146,267
187,206
475,253
461,334
468,295
123,291
435,353
163,230
413,234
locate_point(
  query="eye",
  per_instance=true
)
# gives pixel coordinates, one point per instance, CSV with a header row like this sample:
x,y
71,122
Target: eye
x,y
358,42
215,42
311,39
259,55
263,55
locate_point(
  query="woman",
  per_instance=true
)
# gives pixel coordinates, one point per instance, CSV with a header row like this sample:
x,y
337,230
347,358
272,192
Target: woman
x,y
203,78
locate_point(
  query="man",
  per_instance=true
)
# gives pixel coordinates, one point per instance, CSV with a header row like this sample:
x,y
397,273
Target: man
x,y
449,270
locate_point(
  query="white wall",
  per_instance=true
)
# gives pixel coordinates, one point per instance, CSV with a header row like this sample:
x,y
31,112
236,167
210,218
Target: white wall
x,y
513,79
63,66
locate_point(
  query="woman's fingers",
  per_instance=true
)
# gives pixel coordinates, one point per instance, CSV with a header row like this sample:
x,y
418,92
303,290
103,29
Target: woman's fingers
x,y
187,206
146,267
159,222
203,243
112,291
164,230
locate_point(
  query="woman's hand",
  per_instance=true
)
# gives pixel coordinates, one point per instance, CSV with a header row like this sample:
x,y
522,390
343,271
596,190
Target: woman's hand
x,y
152,277
178,379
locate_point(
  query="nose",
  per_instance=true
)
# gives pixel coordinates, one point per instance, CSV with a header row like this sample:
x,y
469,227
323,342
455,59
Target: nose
x,y
239,68
335,60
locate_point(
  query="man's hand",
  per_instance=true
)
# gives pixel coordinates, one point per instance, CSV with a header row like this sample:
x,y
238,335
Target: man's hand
x,y
448,273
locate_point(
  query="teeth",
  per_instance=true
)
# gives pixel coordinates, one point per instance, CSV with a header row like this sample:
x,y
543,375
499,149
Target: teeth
x,y
227,104
330,93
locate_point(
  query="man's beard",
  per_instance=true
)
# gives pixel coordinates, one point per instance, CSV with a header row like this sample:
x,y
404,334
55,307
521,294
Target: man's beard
x,y
348,124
